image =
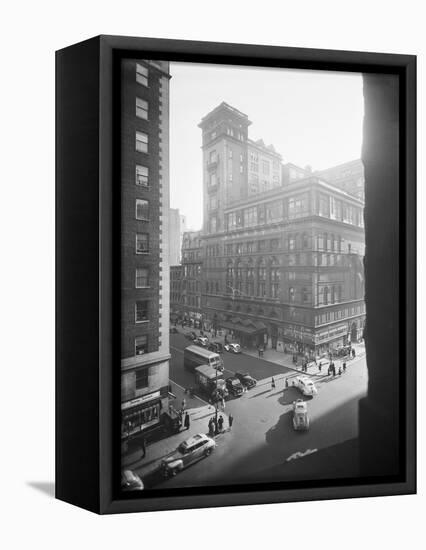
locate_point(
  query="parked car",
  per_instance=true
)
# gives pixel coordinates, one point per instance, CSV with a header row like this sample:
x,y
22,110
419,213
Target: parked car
x,y
306,386
217,347
246,380
131,481
234,386
300,415
202,341
173,330
233,348
189,451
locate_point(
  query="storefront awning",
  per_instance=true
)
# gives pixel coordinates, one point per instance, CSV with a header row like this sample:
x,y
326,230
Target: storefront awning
x,y
239,327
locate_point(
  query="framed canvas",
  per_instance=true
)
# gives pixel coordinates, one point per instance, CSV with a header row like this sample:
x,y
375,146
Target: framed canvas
x,y
235,289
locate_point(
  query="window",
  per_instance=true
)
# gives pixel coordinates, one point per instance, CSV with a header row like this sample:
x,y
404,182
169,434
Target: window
x,y
241,158
141,74
142,378
230,153
141,108
265,167
141,142
141,311
230,177
141,175
291,294
142,243
213,156
325,295
241,169
291,242
141,346
250,217
142,277
213,224
142,209
305,297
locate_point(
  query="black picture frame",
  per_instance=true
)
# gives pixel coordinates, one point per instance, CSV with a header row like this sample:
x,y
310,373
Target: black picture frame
x,y
87,297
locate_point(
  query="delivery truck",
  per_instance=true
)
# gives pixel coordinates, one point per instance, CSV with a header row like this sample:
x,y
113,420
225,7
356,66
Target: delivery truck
x,y
210,381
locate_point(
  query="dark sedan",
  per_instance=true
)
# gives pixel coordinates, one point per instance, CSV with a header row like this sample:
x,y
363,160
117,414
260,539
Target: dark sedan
x,y
246,380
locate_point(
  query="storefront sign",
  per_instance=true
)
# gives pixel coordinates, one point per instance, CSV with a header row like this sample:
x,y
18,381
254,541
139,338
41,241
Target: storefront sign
x,y
140,400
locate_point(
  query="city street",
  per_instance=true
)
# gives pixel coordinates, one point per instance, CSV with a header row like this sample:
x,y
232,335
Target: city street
x,y
262,444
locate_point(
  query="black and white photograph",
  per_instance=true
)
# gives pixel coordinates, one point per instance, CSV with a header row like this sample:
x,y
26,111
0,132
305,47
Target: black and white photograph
x,y
243,315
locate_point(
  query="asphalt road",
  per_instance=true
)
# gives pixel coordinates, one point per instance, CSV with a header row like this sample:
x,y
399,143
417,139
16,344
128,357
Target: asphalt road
x,y
262,439
256,367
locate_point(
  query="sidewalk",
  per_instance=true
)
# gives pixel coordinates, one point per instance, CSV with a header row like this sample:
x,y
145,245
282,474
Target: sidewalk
x,y
147,467
286,360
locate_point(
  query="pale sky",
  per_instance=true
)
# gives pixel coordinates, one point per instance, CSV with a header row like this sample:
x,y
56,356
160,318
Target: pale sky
x,y
311,117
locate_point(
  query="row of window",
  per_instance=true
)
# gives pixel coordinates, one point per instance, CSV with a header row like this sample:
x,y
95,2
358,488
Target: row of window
x,y
142,274
343,313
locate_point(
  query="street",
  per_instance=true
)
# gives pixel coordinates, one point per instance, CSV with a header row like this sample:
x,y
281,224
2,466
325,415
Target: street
x,y
262,443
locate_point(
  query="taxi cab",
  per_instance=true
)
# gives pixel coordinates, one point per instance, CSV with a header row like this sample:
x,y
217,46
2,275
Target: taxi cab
x,y
189,451
306,386
300,415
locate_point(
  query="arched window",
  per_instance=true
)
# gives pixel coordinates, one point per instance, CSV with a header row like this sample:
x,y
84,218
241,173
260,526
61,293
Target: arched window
x,y
261,278
305,296
332,295
291,294
305,240
274,278
339,293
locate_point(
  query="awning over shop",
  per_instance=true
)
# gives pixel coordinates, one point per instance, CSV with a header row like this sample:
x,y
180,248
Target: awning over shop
x,y
252,328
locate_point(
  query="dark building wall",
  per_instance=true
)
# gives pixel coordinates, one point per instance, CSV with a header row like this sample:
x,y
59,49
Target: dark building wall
x,y
129,193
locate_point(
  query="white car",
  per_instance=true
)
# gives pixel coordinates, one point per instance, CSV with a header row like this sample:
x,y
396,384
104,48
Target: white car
x,y
306,386
233,348
131,481
189,451
202,340
300,415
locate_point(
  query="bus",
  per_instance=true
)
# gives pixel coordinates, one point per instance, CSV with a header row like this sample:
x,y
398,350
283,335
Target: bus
x,y
194,356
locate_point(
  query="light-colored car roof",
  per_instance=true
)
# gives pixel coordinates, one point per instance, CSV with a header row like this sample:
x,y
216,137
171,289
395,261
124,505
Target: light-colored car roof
x,y
194,439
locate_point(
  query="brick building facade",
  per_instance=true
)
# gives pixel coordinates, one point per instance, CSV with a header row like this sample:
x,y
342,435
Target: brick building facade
x,y
283,261
144,243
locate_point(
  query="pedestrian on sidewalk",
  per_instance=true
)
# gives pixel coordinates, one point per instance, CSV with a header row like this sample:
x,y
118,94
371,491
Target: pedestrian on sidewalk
x,y
143,447
286,383
340,371
187,421
319,366
344,366
211,427
272,383
220,423
183,404
231,420
222,403
353,353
